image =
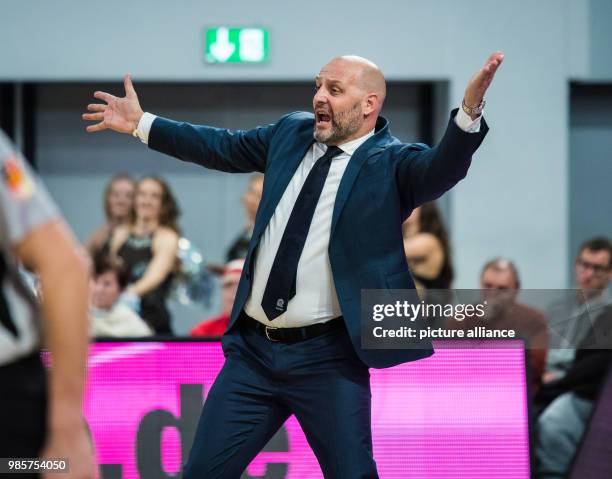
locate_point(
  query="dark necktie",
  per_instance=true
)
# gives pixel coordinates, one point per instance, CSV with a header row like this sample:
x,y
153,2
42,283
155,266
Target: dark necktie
x,y
281,282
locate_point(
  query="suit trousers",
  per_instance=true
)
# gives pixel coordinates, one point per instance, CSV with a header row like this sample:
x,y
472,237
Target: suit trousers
x,y
320,380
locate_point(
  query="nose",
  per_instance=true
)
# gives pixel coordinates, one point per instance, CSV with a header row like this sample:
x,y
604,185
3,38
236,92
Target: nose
x,y
320,98
584,279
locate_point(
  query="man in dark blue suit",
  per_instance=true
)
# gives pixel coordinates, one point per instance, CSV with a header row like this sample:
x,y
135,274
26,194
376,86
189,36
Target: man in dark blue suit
x,y
337,188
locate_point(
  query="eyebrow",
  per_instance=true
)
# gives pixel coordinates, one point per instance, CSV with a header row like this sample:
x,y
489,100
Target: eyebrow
x,y
333,83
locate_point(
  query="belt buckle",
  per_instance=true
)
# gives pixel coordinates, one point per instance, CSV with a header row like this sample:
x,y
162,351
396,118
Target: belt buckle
x,y
268,328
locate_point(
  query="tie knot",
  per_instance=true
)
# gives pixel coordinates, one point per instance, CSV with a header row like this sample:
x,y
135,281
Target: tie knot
x,y
331,152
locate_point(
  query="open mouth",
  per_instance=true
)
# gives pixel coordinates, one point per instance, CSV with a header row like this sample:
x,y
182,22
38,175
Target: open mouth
x,y
322,118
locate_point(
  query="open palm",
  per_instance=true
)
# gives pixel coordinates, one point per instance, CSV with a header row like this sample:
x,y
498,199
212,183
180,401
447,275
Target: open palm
x,y
118,114
480,82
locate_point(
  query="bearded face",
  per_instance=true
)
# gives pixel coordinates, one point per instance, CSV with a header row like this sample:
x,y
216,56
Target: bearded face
x,y
335,126
339,103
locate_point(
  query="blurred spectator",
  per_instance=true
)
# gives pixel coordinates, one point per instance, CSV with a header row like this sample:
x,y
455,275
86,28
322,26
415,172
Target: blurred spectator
x,y
500,286
148,248
562,424
215,327
108,316
250,201
427,248
571,318
118,204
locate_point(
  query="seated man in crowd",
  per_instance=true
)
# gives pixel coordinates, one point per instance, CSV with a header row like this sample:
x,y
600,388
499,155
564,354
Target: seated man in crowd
x,y
500,286
577,370
109,316
215,327
571,318
562,423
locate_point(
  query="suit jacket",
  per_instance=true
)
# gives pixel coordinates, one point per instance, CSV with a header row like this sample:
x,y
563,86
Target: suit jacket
x,y
384,181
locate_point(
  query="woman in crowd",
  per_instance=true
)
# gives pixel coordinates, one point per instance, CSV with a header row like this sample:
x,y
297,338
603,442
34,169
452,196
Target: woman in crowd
x,y
109,317
118,203
148,247
427,248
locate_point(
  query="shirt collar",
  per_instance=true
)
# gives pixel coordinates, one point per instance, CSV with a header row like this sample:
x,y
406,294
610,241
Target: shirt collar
x,y
350,146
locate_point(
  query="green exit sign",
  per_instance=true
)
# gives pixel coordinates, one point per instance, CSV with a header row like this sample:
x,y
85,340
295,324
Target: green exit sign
x,y
236,45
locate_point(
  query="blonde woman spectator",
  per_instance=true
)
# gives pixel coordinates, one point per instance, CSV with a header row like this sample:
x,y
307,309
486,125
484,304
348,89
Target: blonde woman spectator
x,y
118,205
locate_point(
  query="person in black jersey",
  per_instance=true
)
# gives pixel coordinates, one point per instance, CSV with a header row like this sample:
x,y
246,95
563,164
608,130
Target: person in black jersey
x,y
148,247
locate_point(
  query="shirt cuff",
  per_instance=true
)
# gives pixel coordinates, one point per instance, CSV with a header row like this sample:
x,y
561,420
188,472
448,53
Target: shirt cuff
x,y
144,127
462,120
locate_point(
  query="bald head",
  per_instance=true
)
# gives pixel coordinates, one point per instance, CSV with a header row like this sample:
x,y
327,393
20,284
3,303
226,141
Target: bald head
x,y
367,74
350,92
500,272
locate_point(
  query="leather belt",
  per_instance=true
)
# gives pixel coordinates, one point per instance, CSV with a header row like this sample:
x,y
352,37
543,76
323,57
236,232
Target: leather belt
x,y
291,335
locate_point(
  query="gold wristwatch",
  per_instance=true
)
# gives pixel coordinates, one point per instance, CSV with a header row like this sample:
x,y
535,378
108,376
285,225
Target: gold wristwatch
x,y
473,111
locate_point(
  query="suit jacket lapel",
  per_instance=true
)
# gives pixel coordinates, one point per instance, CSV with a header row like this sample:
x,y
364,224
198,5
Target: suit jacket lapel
x,y
370,147
346,183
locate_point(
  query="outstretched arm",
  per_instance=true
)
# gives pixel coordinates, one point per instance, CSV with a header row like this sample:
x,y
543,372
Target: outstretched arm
x,y
423,174
216,148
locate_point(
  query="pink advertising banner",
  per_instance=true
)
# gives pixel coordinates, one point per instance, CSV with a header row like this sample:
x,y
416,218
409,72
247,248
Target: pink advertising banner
x,y
460,414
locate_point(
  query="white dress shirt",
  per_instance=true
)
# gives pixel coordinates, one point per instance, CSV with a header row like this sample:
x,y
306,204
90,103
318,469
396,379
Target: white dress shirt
x,y
315,300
